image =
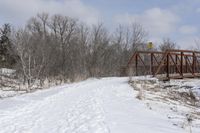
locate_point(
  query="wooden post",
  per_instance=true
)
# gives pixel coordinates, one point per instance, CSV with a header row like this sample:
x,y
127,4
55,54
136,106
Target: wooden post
x,y
181,64
167,65
151,68
186,64
193,63
136,65
176,63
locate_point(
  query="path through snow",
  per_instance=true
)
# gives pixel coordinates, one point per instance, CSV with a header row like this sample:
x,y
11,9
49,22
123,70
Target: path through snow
x,y
92,106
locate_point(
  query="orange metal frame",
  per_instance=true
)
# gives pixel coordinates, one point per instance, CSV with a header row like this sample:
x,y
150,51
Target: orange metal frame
x,y
170,64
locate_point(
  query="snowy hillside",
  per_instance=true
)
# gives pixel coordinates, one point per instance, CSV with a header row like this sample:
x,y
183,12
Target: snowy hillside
x,y
106,105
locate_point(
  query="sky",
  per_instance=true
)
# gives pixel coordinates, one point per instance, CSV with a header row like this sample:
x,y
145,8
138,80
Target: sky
x,y
178,20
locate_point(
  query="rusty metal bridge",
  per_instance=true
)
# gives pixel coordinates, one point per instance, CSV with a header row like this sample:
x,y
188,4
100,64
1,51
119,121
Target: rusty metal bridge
x,y
173,63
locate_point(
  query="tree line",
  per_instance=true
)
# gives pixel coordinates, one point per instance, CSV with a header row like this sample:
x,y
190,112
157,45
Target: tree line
x,y
61,47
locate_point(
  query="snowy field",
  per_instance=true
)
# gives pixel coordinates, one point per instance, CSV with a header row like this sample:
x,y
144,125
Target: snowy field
x,y
106,105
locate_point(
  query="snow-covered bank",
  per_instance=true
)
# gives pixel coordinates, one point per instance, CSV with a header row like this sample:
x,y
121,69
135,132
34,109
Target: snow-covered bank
x,y
179,100
93,106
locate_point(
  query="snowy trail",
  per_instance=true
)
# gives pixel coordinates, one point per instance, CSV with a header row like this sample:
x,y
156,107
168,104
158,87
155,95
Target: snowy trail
x,y
93,106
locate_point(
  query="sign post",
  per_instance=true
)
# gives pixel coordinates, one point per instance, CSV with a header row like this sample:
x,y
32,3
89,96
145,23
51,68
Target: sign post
x,y
150,47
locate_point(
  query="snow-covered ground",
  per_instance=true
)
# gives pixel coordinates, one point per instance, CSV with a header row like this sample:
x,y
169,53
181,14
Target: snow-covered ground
x,y
106,105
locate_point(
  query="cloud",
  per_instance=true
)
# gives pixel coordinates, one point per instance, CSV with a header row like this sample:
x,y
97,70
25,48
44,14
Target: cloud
x,y
188,42
18,11
198,10
187,29
157,21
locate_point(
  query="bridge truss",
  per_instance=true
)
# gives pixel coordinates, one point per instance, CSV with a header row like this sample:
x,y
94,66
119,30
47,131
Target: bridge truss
x,y
169,64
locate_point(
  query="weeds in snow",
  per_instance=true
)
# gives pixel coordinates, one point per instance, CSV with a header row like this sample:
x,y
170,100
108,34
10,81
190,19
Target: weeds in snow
x,y
140,95
172,94
188,123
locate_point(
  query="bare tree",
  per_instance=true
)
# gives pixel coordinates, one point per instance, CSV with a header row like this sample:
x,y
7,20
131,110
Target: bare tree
x,y
167,44
44,20
7,57
62,47
197,44
64,29
30,62
138,36
98,45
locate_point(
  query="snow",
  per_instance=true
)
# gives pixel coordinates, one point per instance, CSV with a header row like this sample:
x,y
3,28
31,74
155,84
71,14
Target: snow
x,y
193,83
7,72
105,105
10,93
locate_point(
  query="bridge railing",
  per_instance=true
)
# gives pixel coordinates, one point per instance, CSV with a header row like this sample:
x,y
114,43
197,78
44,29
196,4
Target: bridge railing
x,y
170,64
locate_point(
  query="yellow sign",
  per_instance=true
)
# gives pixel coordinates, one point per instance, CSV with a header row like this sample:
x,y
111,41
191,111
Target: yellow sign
x,y
150,45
